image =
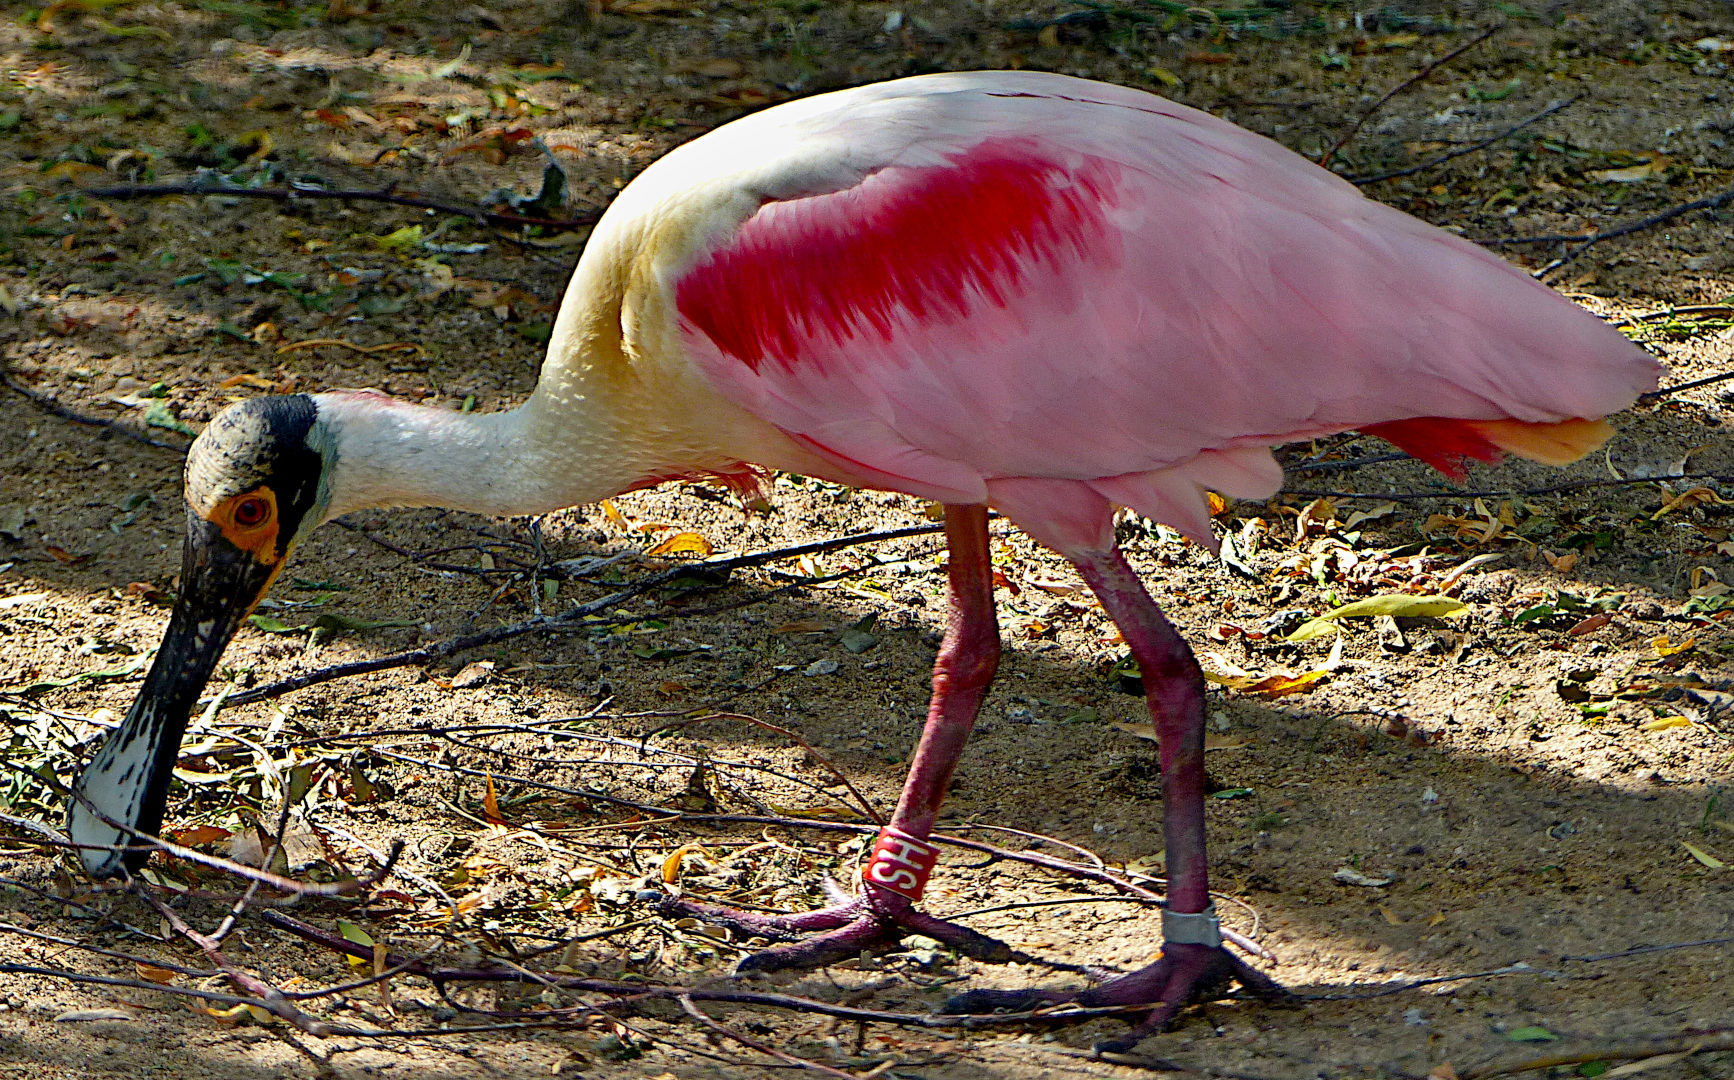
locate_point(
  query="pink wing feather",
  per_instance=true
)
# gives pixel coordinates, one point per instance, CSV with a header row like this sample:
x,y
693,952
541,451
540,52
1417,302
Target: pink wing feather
x,y
1041,278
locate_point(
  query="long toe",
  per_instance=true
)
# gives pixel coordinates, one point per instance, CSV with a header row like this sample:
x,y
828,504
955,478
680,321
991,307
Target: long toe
x,y
962,939
1184,975
991,1001
864,934
758,924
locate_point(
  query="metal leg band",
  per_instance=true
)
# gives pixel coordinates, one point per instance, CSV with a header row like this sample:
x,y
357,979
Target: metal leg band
x,y
1199,928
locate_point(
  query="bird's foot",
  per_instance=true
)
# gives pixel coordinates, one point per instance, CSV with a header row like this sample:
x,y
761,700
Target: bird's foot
x,y
1182,975
874,922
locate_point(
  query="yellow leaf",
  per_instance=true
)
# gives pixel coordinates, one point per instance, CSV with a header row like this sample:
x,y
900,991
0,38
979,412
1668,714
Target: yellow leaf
x,y
1688,498
1390,916
356,934
1663,723
1665,648
1218,505
671,865
260,140
686,543
69,170
1704,857
1162,75
821,813
1275,686
1562,564
613,514
1438,917
491,805
152,973
227,1017
1377,512
1631,174
1394,604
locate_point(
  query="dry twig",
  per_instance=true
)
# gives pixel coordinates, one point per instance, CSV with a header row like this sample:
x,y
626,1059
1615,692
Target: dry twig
x,y
570,619
298,192
1470,149
1325,160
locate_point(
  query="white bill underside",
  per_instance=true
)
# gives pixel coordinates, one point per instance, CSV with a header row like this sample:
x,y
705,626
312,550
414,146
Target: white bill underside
x,y
115,784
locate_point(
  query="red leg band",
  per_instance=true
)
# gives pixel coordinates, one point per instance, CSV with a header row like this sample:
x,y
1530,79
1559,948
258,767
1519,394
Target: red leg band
x,y
900,863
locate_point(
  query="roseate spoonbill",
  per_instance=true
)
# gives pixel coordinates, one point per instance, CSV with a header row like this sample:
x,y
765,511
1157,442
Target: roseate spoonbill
x,y
1012,290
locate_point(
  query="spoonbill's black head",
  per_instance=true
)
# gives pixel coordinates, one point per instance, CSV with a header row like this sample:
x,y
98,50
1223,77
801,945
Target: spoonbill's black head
x,y
254,486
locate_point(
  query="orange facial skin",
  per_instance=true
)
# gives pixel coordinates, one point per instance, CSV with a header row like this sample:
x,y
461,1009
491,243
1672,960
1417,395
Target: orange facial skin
x,y
249,521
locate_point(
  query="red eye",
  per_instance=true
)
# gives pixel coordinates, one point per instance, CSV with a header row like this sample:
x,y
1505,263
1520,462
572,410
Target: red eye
x,y
251,512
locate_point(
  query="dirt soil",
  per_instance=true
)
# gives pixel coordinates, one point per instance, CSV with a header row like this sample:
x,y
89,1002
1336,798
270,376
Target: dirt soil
x,y
1541,779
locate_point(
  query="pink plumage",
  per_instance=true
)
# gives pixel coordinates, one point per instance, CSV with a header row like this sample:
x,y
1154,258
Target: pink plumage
x,y
1030,277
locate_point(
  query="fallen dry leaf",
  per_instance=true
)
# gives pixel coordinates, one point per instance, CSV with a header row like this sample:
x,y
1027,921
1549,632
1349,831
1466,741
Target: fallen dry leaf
x,y
1665,648
1704,857
1397,605
1663,723
1632,174
201,834
683,543
71,1016
1590,625
152,973
491,805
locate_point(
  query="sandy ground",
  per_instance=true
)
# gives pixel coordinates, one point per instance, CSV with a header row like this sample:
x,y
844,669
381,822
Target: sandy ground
x,y
1532,784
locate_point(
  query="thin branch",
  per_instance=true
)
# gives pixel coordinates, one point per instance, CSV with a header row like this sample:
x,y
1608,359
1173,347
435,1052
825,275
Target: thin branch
x,y
298,192
1711,1041
1032,858
1643,949
440,975
1470,149
731,1034
572,618
1712,202
48,404
282,884
273,999
167,965
866,804
1325,161
1709,380
1570,485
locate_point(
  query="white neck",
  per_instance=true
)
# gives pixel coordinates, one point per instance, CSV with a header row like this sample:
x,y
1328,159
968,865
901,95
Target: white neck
x,y
382,452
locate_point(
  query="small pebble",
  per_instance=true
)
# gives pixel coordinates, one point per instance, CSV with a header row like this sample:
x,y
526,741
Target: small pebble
x,y
1429,797
820,667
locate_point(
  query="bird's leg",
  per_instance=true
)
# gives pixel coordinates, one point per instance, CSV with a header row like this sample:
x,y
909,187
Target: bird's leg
x,y
1193,965
902,858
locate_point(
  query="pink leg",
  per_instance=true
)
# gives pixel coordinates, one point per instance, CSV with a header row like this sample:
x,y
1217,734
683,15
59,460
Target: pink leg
x,y
880,917
1194,967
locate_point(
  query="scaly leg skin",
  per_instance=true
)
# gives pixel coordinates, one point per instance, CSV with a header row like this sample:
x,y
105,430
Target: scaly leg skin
x,y
1193,965
896,874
